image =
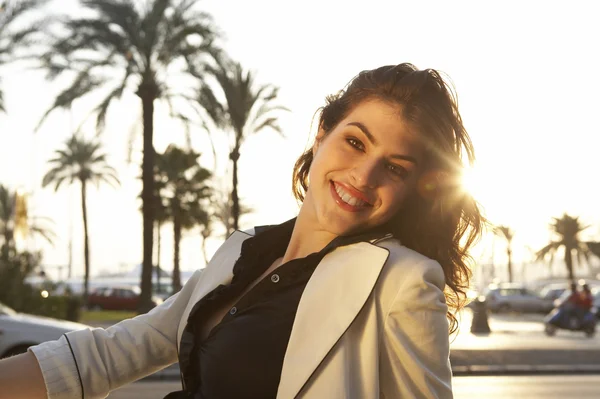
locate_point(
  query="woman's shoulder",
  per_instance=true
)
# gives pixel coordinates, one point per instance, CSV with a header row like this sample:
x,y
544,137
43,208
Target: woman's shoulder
x,y
404,264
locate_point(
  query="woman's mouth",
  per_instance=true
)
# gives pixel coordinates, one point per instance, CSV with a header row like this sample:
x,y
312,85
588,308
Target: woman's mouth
x,y
345,199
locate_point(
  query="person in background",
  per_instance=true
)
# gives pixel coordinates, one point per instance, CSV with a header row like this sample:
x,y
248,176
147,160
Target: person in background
x,y
354,297
586,300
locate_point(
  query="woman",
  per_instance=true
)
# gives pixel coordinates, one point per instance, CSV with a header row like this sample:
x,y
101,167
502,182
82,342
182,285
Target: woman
x,y
354,298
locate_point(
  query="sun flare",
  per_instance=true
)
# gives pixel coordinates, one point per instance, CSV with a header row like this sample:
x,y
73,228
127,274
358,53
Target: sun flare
x,y
473,182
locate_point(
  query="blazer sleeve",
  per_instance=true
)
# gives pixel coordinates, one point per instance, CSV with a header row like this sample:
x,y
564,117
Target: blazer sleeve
x,y
92,362
415,344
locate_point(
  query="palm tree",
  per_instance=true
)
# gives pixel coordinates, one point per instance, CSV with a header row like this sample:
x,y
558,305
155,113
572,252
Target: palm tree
x,y
221,209
205,232
161,216
82,161
10,39
185,189
567,229
15,218
146,46
507,234
247,110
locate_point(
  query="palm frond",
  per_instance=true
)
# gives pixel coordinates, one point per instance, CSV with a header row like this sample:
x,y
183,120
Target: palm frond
x,y
152,24
44,232
177,41
268,123
567,230
115,94
84,84
184,184
504,232
11,11
80,160
548,249
122,14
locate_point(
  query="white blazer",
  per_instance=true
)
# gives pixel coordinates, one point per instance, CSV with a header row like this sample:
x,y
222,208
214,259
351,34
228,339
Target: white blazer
x,y
371,323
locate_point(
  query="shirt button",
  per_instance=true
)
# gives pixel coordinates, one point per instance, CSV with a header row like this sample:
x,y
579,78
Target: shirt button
x,y
275,278
233,310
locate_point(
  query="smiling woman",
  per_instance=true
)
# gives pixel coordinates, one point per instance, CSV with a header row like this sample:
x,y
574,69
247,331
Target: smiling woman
x,y
373,268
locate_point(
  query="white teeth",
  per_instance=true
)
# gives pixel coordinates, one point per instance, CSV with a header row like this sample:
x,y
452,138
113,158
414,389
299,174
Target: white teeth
x,y
347,198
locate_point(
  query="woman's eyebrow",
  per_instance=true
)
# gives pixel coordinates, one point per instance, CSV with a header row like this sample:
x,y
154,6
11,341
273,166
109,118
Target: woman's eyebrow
x,y
373,141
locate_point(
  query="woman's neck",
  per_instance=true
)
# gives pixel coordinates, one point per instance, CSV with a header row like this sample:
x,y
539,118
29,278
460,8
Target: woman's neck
x,y
307,238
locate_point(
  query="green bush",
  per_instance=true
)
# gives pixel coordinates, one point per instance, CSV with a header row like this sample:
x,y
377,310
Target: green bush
x,y
58,307
15,293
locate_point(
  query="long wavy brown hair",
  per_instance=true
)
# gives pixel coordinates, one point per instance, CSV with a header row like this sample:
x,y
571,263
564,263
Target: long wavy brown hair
x,y
440,219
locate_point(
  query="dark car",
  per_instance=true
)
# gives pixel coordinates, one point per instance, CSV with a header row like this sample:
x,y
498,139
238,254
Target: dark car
x,y
117,298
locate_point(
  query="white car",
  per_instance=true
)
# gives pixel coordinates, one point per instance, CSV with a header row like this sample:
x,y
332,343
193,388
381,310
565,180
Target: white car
x,y
514,297
19,331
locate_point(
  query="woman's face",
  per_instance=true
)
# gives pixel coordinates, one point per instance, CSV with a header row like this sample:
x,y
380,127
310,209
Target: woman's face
x,y
363,169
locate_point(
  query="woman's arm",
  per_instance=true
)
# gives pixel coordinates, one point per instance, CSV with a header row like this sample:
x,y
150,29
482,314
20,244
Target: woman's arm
x,y
92,362
21,378
415,346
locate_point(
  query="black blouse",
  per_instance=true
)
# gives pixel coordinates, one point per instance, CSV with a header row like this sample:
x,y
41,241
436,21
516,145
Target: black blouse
x,y
242,357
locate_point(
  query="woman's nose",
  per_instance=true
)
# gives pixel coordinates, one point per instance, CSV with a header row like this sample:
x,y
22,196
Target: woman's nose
x,y
365,174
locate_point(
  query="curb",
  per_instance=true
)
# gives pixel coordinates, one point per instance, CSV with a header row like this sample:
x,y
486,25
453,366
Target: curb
x,y
168,374
523,369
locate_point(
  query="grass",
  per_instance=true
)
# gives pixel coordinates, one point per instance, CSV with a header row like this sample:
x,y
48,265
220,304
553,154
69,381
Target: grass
x,y
105,316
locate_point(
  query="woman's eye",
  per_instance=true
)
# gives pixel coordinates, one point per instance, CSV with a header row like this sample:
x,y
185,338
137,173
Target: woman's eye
x,y
398,170
355,143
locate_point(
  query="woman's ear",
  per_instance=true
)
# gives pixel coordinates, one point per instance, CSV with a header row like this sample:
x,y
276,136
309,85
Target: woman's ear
x,y
318,138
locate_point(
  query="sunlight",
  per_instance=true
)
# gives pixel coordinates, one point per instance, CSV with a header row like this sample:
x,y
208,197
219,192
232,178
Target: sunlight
x,y
473,182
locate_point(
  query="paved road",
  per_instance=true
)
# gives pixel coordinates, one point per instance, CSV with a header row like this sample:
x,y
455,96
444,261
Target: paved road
x,y
516,339
525,387
515,331
145,390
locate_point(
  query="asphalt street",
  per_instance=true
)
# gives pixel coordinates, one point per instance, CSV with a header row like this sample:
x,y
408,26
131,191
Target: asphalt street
x,y
528,387
519,331
145,390
517,345
513,387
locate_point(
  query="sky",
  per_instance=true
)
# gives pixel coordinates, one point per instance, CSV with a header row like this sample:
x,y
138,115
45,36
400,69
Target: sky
x,y
525,74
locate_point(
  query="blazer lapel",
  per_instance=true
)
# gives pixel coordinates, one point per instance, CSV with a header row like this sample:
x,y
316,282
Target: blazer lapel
x,y
218,271
333,297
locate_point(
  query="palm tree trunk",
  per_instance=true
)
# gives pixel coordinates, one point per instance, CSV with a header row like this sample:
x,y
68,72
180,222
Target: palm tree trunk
x,y
510,270
204,249
569,262
492,265
235,201
158,236
147,92
6,246
176,241
86,246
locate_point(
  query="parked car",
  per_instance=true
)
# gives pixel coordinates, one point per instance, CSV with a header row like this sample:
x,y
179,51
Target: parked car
x,y
596,303
19,331
511,297
551,292
117,298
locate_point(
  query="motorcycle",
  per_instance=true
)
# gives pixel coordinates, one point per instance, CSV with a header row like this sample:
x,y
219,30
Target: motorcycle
x,y
565,318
